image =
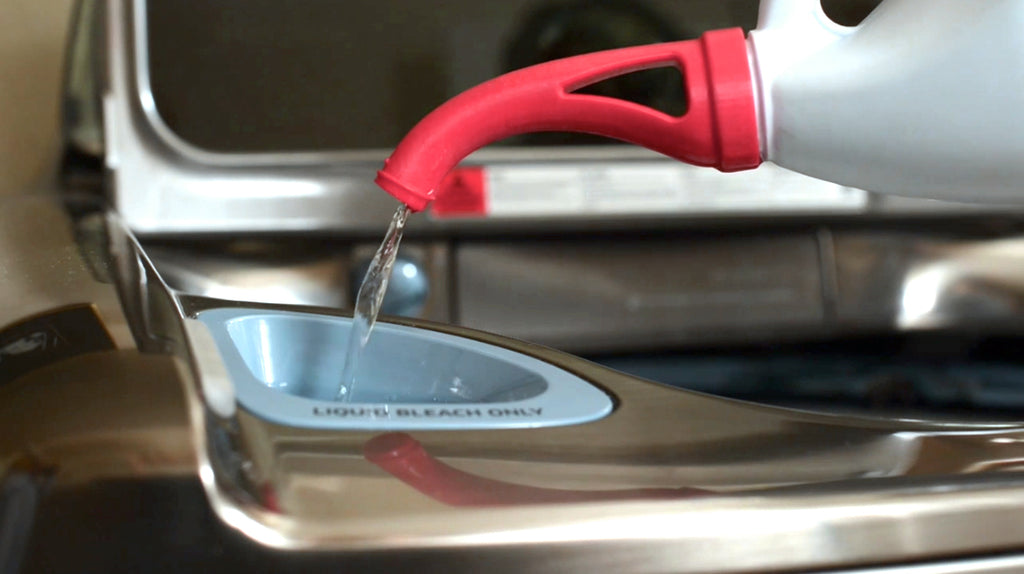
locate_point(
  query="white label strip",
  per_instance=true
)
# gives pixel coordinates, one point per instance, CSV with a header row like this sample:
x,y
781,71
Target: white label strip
x,y
657,188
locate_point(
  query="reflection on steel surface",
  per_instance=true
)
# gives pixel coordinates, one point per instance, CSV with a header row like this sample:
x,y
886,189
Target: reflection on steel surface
x,y
973,282
405,458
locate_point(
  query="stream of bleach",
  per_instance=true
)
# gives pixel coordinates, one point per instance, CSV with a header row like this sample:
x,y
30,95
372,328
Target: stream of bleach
x,y
368,301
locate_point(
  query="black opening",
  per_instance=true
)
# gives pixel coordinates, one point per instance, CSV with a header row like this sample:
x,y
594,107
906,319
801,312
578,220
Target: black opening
x,y
848,12
660,88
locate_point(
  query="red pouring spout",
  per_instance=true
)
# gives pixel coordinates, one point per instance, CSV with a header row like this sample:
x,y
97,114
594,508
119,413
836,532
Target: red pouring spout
x,y
719,128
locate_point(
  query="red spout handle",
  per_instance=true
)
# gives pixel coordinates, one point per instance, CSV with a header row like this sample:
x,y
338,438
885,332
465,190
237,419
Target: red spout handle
x,y
719,128
405,458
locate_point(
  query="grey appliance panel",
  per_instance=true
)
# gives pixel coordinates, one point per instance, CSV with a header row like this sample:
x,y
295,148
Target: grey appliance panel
x,y
925,280
610,294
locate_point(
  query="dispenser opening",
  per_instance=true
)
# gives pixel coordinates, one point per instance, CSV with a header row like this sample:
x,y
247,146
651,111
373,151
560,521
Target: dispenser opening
x,y
304,357
287,367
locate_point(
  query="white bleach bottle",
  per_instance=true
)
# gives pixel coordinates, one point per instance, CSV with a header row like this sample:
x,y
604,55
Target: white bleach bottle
x,y
923,98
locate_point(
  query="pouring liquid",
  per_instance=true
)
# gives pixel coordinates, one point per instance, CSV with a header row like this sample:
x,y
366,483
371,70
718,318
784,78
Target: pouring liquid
x,y
369,299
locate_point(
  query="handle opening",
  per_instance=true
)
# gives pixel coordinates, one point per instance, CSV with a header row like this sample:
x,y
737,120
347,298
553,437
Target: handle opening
x,y
659,87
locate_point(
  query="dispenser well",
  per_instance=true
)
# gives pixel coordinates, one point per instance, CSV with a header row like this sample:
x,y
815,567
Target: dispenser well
x,y
286,367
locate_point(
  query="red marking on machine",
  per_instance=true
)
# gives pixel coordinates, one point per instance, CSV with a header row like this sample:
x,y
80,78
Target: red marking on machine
x,y
405,458
463,192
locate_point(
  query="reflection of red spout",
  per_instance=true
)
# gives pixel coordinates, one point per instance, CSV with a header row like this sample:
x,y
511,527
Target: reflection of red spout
x,y
719,128
406,459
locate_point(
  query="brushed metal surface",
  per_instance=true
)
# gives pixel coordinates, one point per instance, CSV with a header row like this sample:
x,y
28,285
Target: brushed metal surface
x,y
627,294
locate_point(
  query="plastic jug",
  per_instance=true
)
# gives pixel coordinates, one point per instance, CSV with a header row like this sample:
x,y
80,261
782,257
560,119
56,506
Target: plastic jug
x,y
920,99
924,98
